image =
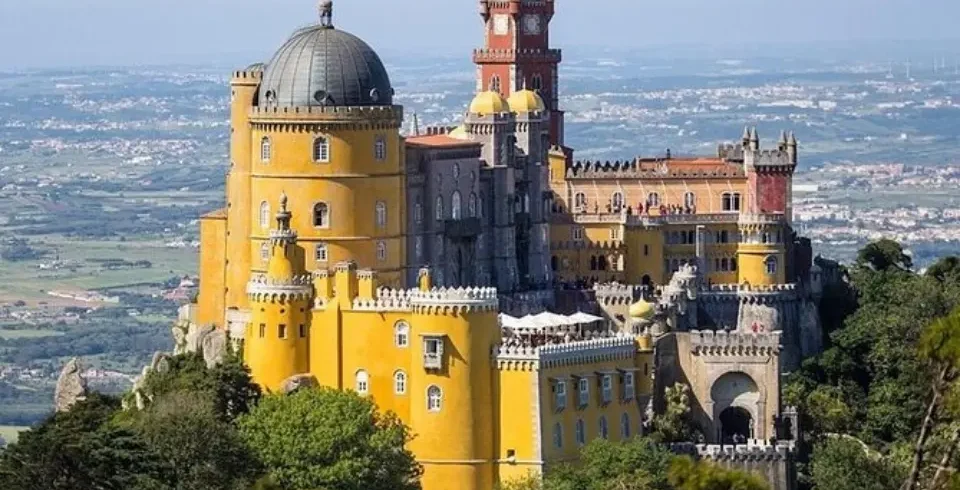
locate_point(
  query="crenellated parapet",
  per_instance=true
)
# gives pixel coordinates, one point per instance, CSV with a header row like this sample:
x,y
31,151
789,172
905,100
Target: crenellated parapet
x,y
652,168
782,451
251,76
747,294
386,300
609,294
458,300
725,344
266,290
313,118
573,353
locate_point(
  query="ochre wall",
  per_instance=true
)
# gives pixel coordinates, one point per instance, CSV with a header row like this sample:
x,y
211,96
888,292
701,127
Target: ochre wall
x,y
210,302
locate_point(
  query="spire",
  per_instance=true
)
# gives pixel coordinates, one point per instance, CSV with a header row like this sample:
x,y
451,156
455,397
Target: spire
x,y
754,136
416,124
793,139
283,216
783,137
326,13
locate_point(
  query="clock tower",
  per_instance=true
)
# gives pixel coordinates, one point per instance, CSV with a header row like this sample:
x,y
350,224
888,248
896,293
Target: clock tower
x,y
517,54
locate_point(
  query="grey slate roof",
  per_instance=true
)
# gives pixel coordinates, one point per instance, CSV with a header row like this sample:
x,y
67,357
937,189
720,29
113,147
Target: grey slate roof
x,y
324,66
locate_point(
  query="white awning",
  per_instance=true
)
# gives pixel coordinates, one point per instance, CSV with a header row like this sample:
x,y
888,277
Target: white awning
x,y
581,317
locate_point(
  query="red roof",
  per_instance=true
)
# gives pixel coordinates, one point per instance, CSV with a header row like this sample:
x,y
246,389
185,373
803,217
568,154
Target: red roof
x,y
440,141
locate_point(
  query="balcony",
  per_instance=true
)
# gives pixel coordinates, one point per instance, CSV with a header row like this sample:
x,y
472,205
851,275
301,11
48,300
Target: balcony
x,y
459,229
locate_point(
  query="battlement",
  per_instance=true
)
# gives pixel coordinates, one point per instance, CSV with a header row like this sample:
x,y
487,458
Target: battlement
x,y
386,300
247,77
722,343
761,451
260,288
761,219
601,349
655,168
466,299
616,293
746,288
333,114
486,55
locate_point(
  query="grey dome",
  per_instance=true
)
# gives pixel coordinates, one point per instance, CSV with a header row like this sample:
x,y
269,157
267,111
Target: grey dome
x,y
324,66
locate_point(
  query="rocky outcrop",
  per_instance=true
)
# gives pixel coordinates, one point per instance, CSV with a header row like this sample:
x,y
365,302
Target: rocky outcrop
x,y
298,381
213,346
71,387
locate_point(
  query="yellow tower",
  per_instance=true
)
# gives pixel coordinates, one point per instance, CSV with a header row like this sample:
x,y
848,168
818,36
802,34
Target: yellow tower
x,y
761,253
277,340
325,130
454,333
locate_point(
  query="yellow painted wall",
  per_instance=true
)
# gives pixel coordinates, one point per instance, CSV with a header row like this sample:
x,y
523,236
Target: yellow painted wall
x,y
271,358
212,294
350,184
516,421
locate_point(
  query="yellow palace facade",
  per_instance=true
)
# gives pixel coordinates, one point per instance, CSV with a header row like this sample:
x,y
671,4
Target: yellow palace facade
x,y
306,267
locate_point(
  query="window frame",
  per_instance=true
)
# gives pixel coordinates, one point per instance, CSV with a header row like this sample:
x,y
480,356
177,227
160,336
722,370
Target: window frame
x,y
580,431
266,149
560,394
399,382
321,253
583,392
606,388
603,427
434,399
264,217
380,148
362,382
456,205
380,214
381,251
321,149
401,334
321,215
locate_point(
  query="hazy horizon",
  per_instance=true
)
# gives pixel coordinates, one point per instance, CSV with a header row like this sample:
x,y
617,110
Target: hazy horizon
x,y
51,33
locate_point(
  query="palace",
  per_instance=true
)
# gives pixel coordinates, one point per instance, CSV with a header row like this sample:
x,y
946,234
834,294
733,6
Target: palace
x,y
391,265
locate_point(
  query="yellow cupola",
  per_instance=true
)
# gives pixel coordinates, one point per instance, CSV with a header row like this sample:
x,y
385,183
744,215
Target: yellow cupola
x,y
523,101
641,310
280,267
488,102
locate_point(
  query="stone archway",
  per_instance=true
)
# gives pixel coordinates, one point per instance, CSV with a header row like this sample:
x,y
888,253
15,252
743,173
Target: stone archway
x,y
737,407
736,425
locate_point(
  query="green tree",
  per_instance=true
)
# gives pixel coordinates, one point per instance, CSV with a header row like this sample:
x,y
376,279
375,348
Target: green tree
x,y
674,424
203,451
686,474
946,269
324,438
848,464
530,481
229,384
80,449
883,255
636,464
940,349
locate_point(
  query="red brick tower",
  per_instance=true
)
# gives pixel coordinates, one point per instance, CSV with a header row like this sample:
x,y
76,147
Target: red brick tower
x,y
517,54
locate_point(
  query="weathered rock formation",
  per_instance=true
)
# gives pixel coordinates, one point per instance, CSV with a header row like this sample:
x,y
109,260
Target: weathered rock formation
x,y
71,387
296,382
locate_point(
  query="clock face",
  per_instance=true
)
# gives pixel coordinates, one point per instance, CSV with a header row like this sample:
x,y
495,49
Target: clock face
x,y
501,25
531,24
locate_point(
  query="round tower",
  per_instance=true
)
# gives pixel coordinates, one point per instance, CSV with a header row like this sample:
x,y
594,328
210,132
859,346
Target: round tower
x,y
454,332
761,252
276,343
325,129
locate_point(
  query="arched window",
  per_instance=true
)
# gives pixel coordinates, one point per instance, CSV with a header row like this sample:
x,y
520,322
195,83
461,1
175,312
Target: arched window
x,y
400,383
321,253
557,435
689,199
380,149
581,433
617,201
418,211
434,398
401,334
625,426
602,426
264,214
480,201
381,251
265,150
265,251
321,215
733,264
381,214
472,205
456,171
580,202
602,263
526,202
536,83
653,199
321,149
771,264
363,382
455,205
593,262
439,208
495,83
724,264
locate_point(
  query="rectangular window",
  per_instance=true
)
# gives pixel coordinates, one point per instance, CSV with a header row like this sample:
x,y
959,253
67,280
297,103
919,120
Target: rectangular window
x,y
577,233
615,233
560,394
263,330
433,352
607,388
303,331
629,386
321,252
583,397
646,250
282,331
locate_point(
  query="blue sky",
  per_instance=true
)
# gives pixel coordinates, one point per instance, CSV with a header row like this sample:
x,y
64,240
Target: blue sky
x,y
48,33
